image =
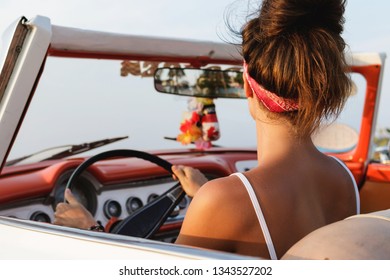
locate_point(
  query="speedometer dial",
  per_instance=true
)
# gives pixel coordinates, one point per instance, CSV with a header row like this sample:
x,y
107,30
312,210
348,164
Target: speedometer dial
x,y
83,190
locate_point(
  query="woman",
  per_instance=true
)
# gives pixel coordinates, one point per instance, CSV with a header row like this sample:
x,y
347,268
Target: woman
x,y
294,75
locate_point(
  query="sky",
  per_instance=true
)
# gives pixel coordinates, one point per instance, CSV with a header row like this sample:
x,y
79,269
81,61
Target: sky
x,y
367,27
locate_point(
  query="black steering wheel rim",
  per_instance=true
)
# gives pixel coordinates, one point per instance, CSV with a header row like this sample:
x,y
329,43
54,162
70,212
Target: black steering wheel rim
x,y
118,153
161,207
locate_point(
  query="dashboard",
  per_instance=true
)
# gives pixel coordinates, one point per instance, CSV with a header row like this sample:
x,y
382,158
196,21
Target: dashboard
x,y
104,201
110,190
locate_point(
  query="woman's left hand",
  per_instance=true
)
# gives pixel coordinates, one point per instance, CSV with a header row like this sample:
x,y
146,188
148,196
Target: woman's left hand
x,y
73,213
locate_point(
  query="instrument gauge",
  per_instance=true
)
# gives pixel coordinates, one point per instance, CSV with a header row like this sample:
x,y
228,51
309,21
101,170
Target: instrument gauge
x,y
112,208
133,204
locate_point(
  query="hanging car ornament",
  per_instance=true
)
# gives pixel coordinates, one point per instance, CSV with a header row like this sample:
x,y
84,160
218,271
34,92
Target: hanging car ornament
x,y
200,124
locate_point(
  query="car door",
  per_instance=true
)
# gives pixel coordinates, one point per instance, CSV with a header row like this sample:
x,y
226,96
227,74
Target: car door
x,y
375,192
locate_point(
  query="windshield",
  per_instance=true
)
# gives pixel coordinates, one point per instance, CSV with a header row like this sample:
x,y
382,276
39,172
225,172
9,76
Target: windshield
x,y
84,100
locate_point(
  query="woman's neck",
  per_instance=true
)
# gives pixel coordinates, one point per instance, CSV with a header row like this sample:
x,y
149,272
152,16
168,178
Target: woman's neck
x,y
276,141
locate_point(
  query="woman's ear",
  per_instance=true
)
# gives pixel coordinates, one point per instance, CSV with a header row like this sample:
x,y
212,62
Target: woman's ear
x,y
249,96
247,88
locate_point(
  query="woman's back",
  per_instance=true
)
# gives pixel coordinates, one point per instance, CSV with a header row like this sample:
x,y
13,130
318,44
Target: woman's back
x,y
301,195
296,197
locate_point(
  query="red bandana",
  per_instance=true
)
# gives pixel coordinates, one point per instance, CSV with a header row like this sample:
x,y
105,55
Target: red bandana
x,y
270,100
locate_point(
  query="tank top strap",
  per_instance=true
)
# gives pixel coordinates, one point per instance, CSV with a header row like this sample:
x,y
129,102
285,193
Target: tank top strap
x,y
259,214
353,182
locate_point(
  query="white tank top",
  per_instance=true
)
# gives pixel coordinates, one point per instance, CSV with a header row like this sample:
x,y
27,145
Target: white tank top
x,y
260,216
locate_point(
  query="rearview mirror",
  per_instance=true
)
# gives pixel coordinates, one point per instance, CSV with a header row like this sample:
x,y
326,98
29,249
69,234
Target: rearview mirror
x,y
207,83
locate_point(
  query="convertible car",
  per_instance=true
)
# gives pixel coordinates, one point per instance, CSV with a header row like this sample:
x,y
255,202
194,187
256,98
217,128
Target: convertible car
x,y
107,114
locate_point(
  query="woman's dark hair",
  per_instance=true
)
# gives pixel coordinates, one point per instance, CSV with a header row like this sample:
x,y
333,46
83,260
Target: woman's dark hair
x,y
294,49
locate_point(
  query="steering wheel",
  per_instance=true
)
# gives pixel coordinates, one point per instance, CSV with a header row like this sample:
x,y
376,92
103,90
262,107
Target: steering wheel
x,y
148,219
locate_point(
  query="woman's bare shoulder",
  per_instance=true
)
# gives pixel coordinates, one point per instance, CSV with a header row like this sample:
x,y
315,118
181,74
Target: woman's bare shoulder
x,y
215,213
224,188
216,196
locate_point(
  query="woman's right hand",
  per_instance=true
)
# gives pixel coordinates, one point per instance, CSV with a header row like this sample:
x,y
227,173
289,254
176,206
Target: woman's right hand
x,y
191,179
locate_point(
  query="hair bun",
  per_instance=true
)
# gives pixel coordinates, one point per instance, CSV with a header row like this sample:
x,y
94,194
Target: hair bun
x,y
286,16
